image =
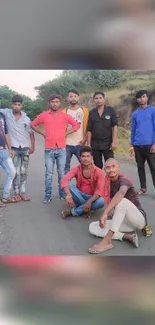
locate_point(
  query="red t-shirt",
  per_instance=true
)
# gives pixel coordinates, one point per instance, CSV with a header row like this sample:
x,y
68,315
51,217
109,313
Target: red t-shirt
x,y
86,186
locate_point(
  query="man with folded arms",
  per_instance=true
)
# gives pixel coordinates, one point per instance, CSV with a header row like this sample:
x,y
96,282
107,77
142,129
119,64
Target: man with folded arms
x,y
87,195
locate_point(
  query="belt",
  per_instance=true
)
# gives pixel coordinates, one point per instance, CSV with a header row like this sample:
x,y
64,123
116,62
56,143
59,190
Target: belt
x,y
1,148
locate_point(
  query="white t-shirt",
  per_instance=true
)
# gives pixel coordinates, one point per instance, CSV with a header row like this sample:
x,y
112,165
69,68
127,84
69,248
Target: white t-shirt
x,y
73,139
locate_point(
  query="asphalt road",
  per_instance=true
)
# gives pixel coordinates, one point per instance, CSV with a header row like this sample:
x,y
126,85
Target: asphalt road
x,y
33,228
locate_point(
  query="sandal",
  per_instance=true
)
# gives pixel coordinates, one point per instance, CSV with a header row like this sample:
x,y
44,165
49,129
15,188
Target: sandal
x,y
100,250
9,200
17,198
2,205
142,191
25,198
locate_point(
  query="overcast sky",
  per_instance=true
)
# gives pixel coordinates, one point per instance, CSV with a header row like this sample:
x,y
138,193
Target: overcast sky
x,y
24,81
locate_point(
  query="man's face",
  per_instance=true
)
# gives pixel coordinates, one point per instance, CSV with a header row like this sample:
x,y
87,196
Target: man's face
x,y
142,100
99,100
86,158
54,104
112,168
73,99
16,107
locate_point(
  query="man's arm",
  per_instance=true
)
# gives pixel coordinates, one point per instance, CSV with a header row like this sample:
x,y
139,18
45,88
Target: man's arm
x,y
133,129
7,140
117,198
89,130
114,130
68,177
75,125
36,122
153,145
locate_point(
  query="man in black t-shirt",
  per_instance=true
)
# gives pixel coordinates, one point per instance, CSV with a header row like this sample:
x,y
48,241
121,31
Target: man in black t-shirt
x,y
102,130
6,161
128,213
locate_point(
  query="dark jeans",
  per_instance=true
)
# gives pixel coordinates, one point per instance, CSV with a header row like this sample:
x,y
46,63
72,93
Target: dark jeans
x,y
143,154
70,151
97,157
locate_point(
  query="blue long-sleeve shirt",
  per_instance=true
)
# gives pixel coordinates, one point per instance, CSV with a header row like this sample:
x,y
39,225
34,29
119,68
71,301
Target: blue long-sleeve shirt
x,y
143,126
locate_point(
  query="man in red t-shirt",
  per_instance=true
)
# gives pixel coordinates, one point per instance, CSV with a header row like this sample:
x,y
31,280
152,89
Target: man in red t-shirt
x,y
55,123
87,195
128,213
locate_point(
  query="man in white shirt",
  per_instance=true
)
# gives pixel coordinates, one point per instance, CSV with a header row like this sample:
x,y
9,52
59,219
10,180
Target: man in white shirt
x,y
75,141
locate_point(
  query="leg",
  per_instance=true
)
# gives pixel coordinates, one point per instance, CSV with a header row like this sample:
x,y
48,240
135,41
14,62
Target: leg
x,y
16,181
24,173
97,157
61,161
77,152
69,154
140,158
49,168
108,154
79,199
127,217
151,163
96,230
9,168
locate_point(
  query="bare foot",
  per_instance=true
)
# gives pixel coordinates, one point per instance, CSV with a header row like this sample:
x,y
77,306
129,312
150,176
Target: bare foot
x,y
66,214
17,198
103,246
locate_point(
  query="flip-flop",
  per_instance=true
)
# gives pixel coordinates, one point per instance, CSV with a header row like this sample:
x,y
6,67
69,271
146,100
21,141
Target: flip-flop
x,y
142,191
25,198
135,241
2,205
101,250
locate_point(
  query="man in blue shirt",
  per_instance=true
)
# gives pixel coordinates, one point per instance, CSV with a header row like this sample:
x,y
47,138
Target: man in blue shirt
x,y
143,138
22,143
6,162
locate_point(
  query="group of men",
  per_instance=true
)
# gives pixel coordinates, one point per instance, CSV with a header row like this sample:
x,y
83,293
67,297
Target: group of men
x,y
89,136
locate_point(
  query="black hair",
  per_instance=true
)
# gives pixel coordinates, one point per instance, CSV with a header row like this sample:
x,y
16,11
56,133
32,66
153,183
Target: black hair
x,y
86,149
17,99
141,93
98,93
54,96
74,91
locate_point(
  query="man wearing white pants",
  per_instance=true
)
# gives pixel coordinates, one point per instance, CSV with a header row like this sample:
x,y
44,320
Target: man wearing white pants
x,y
128,214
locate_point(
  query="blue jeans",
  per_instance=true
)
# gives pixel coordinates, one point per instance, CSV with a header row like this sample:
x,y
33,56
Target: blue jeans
x,y
70,151
21,163
80,199
52,155
7,164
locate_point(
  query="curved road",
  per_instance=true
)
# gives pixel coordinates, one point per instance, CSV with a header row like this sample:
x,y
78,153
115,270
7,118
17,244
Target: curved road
x,y
32,228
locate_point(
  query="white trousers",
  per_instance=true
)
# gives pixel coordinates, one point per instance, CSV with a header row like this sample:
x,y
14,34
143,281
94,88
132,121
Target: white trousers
x,y
126,218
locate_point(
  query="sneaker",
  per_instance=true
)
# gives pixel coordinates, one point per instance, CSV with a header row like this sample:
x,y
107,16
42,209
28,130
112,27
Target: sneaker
x,y
47,200
147,231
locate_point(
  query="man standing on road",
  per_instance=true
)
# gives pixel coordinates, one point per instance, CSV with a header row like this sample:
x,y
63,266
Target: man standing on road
x,y
22,143
102,130
87,195
76,140
55,123
143,138
6,162
128,214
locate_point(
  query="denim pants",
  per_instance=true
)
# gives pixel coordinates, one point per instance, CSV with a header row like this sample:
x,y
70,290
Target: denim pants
x,y
70,151
21,162
7,164
52,155
80,199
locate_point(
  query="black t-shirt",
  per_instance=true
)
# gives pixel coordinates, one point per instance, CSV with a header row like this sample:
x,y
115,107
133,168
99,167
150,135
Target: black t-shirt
x,y
131,193
101,127
3,130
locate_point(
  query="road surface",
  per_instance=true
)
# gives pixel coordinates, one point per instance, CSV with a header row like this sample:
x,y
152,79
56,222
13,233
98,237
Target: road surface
x,y
33,228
